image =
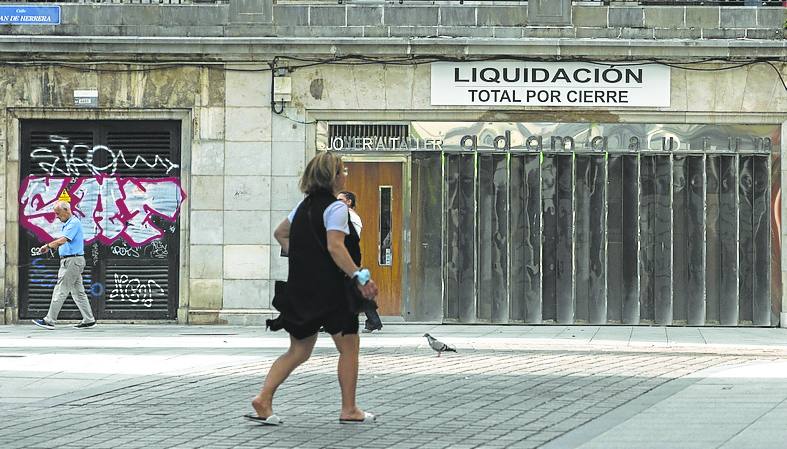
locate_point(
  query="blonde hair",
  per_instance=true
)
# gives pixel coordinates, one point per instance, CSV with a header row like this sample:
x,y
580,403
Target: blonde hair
x,y
321,173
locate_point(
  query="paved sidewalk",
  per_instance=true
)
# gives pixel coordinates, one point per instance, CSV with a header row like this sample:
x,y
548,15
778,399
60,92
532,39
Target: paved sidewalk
x,y
508,386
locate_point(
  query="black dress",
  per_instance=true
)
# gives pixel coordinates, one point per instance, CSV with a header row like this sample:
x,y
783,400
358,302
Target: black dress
x,y
315,294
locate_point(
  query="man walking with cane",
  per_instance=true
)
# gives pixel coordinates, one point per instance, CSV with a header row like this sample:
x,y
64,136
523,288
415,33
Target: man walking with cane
x,y
71,248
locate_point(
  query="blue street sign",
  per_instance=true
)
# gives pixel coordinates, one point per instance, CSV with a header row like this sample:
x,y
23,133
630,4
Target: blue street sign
x,y
29,15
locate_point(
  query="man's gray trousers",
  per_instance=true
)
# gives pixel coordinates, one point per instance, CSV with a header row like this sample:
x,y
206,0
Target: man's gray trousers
x,y
69,280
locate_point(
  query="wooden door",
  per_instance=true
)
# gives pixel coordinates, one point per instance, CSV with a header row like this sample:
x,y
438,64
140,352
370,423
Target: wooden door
x,y
378,190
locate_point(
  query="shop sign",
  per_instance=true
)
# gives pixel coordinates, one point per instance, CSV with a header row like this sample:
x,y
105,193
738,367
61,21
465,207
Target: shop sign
x,y
559,137
384,144
506,83
470,142
29,15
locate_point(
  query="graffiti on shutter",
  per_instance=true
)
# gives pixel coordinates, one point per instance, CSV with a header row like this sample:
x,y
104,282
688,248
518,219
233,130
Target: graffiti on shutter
x,y
110,208
122,179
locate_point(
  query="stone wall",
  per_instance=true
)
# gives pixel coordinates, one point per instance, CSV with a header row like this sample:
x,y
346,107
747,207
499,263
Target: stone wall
x,y
238,164
398,92
241,162
613,22
262,18
193,95
752,94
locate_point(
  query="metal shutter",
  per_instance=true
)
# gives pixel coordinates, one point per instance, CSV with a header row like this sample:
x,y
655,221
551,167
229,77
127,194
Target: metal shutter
x,y
123,280
353,134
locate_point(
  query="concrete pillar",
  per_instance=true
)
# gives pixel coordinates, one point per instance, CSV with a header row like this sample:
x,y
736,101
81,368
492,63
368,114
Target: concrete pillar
x,y
549,12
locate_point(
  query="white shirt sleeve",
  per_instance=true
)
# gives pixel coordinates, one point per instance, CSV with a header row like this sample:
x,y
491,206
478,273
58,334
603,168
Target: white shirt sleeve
x,y
356,221
335,217
291,215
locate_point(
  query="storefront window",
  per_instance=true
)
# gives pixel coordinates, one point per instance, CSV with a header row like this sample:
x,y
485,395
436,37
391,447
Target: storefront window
x,y
386,251
600,223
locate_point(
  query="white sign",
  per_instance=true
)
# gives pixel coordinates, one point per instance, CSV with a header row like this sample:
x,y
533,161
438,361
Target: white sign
x,y
86,98
527,83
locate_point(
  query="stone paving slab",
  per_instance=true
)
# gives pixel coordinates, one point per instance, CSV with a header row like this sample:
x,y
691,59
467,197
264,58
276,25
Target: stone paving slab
x,y
522,387
456,401
728,408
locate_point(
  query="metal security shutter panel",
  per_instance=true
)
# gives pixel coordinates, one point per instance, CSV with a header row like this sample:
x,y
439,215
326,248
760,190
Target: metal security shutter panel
x,y
142,278
124,280
38,274
51,147
650,235
145,152
41,280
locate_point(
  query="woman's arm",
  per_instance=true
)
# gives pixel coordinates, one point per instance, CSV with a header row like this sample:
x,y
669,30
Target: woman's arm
x,y
282,235
345,263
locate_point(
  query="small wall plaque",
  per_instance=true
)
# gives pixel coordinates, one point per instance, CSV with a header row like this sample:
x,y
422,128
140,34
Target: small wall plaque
x,y
86,98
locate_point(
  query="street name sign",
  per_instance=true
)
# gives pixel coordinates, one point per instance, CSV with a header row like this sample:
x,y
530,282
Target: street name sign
x,y
29,15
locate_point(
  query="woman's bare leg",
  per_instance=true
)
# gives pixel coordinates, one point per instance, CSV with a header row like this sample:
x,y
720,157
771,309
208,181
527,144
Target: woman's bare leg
x,y
348,347
299,352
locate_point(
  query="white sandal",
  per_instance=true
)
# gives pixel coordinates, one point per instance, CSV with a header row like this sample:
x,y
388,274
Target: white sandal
x,y
272,420
367,418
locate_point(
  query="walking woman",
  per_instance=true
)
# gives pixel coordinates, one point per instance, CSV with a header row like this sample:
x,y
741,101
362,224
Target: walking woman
x,y
313,237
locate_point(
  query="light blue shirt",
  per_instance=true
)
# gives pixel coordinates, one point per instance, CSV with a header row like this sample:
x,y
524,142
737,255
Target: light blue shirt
x,y
72,230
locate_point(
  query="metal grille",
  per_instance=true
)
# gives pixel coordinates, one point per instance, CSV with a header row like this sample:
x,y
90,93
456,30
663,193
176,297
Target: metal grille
x,y
123,281
51,150
360,136
665,239
42,279
652,236
142,153
135,284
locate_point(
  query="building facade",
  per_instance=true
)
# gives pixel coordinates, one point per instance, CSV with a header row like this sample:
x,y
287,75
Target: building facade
x,y
515,162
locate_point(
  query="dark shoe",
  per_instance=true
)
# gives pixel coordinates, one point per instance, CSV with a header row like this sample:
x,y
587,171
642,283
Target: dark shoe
x,y
85,325
368,330
44,324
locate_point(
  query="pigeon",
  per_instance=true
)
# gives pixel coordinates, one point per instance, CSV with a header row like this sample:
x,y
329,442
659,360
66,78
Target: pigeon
x,y
438,345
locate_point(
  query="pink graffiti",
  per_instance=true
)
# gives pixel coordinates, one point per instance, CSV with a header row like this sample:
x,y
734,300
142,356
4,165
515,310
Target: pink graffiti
x,y
110,208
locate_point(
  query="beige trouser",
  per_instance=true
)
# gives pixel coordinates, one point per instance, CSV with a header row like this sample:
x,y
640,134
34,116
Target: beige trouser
x,y
69,280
